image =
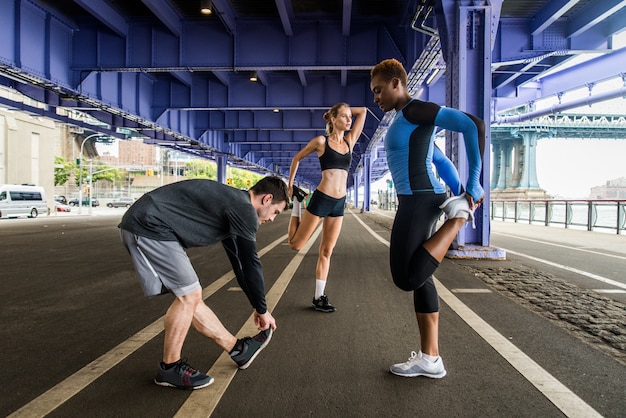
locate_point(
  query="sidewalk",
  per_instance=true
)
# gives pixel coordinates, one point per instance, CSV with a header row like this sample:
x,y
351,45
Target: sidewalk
x,y
602,240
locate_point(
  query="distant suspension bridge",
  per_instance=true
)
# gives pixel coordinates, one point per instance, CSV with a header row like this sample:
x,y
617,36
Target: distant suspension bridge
x,y
514,147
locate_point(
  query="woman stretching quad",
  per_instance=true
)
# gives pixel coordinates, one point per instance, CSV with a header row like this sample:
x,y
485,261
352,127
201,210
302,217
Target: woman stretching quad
x,y
335,155
415,249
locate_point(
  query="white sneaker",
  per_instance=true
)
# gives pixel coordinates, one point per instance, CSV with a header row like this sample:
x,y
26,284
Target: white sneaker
x,y
417,365
457,207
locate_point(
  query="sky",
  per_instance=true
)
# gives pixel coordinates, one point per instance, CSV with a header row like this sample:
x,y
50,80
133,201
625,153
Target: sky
x,y
569,168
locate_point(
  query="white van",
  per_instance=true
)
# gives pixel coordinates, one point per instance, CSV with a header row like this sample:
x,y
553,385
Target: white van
x,y
22,200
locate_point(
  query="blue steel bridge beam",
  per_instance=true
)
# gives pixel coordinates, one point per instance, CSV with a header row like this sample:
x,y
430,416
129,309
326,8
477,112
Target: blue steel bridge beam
x,y
469,63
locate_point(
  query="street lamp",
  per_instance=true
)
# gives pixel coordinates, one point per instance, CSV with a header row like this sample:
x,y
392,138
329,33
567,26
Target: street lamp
x,y
80,170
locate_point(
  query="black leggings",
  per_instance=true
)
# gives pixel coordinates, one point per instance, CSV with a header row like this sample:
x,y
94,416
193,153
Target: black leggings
x,y
412,266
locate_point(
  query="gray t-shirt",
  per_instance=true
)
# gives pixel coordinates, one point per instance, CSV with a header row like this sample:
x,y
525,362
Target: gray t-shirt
x,y
196,213
199,213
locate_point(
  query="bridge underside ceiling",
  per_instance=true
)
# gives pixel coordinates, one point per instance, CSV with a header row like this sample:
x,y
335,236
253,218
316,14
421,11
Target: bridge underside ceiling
x,y
182,80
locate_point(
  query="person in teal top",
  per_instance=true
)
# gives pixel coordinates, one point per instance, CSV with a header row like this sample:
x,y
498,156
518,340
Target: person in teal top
x,y
416,247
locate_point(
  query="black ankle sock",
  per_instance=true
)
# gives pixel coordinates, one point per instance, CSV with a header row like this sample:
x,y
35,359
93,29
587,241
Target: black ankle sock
x,y
236,349
168,366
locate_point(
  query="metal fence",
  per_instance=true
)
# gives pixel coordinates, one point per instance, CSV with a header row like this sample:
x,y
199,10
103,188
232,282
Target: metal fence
x,y
590,214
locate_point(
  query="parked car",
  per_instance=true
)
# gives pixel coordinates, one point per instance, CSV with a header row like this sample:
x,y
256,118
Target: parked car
x,y
94,202
121,202
60,199
62,207
22,200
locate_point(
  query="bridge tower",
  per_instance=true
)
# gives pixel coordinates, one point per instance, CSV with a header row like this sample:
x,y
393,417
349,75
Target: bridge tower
x,y
514,174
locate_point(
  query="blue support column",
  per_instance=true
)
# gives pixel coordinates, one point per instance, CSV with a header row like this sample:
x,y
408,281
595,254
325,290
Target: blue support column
x,y
356,190
367,167
468,61
222,163
468,90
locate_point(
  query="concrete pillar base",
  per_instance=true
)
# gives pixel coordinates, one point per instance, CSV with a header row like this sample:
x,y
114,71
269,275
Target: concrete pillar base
x,y
477,252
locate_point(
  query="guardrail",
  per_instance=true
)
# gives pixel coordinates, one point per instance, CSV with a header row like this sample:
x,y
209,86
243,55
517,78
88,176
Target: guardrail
x,y
589,214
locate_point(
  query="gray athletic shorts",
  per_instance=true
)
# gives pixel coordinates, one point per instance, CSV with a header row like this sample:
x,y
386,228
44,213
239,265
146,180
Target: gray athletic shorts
x,y
162,266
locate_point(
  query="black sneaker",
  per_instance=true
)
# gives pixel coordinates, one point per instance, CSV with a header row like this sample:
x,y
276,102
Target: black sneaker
x,y
246,349
182,376
298,193
322,304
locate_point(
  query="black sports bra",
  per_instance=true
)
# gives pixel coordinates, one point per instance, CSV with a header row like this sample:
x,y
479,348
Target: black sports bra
x,y
332,159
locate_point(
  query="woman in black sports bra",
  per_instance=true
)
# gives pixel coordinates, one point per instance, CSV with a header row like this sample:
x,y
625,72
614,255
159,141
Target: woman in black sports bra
x,y
335,154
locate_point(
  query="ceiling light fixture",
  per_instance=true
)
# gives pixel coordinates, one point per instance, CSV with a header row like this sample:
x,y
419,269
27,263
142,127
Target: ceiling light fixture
x,y
253,77
206,7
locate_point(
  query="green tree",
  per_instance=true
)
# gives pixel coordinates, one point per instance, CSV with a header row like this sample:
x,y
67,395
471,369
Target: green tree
x,y
201,169
62,170
99,171
105,172
204,169
242,179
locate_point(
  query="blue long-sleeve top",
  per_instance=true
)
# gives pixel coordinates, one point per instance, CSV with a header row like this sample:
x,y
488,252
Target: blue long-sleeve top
x,y
411,150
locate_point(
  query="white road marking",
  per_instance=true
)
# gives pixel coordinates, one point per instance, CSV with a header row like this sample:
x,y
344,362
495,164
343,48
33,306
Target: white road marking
x,y
563,398
60,393
470,291
609,290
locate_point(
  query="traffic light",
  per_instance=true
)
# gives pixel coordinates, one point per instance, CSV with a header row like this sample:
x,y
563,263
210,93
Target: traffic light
x,y
229,181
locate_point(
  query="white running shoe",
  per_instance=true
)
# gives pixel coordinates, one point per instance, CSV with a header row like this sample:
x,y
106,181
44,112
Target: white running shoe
x,y
457,207
417,365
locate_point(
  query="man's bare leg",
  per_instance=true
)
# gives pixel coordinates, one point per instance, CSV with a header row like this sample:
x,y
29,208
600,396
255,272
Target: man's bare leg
x,y
208,324
177,322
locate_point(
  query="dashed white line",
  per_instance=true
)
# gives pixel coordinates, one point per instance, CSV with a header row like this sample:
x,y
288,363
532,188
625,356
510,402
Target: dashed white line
x,y
470,291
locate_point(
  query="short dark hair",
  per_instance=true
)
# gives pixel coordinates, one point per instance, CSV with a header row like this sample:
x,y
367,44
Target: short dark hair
x,y
389,69
272,185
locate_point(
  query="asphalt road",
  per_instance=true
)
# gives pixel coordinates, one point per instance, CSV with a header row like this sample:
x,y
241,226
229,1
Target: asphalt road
x,y
79,338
